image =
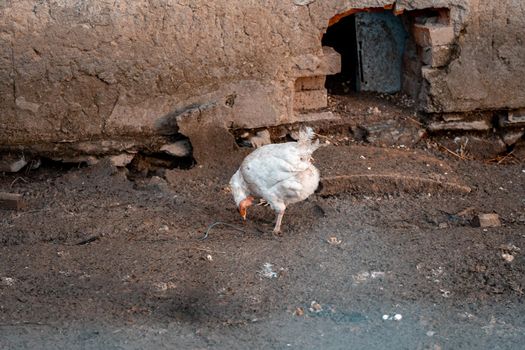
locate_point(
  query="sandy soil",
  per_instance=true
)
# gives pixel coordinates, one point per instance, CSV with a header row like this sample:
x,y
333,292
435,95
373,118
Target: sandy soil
x,y
99,261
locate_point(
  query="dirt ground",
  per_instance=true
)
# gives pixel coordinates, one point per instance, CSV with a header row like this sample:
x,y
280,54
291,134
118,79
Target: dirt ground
x,y
98,261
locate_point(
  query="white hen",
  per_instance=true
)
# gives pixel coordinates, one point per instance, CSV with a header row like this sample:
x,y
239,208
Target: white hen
x,y
281,174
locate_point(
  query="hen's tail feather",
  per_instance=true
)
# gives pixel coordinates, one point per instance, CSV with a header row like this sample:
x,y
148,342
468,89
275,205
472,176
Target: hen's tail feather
x,y
306,135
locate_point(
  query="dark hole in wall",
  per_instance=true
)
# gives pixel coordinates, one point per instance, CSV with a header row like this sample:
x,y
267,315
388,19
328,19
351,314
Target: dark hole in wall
x,y
146,164
58,165
342,37
372,47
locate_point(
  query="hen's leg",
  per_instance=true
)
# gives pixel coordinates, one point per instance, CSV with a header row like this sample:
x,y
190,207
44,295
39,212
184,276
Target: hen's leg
x,y
277,228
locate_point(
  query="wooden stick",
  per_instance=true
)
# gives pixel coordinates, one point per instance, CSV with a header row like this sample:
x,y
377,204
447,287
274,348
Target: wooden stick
x,y
452,152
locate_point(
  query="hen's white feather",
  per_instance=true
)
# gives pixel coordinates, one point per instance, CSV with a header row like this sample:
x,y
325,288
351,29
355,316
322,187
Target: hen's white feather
x,y
282,174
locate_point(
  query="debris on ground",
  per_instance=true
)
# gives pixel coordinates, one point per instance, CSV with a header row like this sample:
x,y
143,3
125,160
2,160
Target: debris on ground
x,y
445,293
366,275
121,160
315,307
11,201
163,286
267,271
395,317
7,281
509,252
333,241
12,164
487,220
299,311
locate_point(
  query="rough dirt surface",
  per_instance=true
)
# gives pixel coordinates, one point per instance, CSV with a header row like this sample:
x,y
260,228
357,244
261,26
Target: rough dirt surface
x,y
98,261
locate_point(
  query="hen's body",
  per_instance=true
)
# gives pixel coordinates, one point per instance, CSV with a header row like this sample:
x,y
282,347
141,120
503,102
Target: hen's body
x,y
281,174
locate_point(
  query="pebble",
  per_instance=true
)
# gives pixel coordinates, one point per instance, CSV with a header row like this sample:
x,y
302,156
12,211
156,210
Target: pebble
x,y
396,317
7,281
316,307
507,257
333,241
299,311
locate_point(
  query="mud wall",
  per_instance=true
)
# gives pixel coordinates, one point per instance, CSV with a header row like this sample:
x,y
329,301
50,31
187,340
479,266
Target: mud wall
x,y
488,71
87,70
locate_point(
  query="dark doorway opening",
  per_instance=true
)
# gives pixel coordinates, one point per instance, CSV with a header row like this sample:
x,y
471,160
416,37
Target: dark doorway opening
x,y
342,37
372,47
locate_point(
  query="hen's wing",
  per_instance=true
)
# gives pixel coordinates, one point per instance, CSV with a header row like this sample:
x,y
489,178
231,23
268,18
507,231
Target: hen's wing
x,y
272,164
272,171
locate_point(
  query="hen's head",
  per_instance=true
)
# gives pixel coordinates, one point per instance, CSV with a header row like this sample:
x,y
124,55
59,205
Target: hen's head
x,y
240,193
244,204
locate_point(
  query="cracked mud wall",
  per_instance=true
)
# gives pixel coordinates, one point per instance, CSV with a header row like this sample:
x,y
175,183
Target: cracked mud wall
x,y
488,71
84,70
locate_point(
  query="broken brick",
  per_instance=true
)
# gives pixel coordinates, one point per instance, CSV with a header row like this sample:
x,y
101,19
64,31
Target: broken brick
x,y
433,35
11,201
487,220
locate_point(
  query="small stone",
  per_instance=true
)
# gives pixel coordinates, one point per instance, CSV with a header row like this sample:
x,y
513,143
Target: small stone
x,y
512,136
443,225
181,148
209,257
377,274
35,164
11,164
507,257
374,110
121,160
299,311
333,241
430,333
7,281
487,220
316,306
398,317
445,293
163,286
385,317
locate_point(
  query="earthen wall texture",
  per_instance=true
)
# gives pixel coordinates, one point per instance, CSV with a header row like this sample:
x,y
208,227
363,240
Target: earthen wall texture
x,y
77,70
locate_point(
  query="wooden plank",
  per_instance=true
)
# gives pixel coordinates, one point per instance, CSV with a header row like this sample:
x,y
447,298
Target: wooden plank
x,y
11,201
